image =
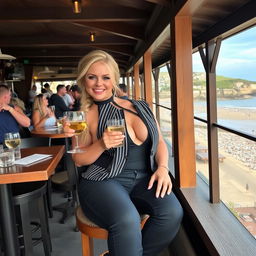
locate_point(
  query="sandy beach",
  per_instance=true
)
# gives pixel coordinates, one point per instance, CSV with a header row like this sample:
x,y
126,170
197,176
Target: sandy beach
x,y
230,113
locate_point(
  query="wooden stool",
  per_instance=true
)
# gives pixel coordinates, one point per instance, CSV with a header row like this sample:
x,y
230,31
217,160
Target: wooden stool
x,y
90,230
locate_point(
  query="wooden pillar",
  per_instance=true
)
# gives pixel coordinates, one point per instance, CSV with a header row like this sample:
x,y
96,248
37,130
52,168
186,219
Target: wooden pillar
x,y
209,59
147,64
136,81
182,101
22,88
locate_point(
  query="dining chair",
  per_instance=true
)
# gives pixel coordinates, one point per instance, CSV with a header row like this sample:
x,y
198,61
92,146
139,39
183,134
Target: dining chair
x,y
26,194
90,230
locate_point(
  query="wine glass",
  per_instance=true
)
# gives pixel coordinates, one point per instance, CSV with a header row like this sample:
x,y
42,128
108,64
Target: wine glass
x,y
78,123
12,141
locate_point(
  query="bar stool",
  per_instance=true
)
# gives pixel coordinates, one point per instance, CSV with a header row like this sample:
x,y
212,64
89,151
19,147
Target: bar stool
x,y
24,194
90,230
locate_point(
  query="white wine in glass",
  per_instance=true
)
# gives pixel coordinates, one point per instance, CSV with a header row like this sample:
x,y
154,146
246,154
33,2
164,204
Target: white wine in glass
x,y
78,123
12,140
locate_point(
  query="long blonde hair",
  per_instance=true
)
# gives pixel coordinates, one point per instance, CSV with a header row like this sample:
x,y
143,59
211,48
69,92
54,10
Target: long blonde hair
x,y
38,104
83,66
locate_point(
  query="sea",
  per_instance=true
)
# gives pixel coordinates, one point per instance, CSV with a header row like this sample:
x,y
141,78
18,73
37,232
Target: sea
x,y
248,126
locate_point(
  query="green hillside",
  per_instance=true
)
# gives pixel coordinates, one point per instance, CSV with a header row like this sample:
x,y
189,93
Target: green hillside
x,y
222,81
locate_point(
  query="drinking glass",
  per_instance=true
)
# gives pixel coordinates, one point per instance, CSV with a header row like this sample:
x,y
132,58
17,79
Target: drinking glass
x,y
78,123
116,125
7,157
12,141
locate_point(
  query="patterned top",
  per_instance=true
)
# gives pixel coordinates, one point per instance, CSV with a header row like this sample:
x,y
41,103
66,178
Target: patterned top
x,y
112,161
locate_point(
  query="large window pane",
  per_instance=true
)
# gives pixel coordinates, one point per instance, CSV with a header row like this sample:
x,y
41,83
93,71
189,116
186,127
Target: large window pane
x,y
201,149
236,82
199,87
164,87
238,177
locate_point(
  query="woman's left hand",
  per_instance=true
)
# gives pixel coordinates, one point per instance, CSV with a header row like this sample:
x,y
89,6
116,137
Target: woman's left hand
x,y
164,183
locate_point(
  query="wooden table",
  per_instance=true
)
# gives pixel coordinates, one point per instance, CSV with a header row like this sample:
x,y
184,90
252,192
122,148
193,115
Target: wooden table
x,y
16,174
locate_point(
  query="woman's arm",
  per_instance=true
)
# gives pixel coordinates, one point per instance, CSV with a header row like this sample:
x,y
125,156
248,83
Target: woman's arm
x,y
37,120
161,175
18,114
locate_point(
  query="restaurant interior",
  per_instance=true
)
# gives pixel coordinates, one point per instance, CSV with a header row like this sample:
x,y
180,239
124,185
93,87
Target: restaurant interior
x,y
43,41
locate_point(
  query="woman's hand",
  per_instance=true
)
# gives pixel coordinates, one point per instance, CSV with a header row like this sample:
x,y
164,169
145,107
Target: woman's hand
x,y
112,139
164,183
67,130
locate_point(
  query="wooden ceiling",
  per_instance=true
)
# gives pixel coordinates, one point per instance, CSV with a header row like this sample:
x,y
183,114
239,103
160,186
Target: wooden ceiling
x,y
48,33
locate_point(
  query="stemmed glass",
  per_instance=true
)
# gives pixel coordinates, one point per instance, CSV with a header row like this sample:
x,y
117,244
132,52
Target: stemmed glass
x,y
12,141
78,123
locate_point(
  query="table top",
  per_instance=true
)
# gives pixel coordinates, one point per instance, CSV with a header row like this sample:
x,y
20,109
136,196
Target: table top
x,y
49,132
35,172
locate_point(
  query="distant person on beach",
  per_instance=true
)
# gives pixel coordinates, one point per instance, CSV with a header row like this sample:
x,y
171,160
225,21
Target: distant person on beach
x,y
122,93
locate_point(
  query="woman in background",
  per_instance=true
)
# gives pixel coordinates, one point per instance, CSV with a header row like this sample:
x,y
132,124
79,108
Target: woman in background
x,y
42,115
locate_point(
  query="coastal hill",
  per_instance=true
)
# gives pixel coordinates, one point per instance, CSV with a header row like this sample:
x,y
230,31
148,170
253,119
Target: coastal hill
x,y
227,87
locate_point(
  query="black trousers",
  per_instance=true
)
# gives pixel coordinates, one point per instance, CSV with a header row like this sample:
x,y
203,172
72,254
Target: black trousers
x,y
115,204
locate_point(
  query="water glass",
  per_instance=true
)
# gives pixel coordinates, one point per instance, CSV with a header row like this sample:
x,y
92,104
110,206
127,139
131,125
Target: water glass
x,y
116,125
17,153
7,157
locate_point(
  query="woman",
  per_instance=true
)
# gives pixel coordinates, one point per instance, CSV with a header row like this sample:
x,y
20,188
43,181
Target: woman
x,y
122,182
42,115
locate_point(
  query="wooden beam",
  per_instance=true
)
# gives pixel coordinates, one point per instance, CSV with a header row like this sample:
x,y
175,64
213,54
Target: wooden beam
x,y
136,81
147,65
182,101
131,31
53,14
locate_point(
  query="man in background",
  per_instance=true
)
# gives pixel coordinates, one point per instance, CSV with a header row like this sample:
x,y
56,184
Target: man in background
x,y
76,93
122,93
12,117
58,102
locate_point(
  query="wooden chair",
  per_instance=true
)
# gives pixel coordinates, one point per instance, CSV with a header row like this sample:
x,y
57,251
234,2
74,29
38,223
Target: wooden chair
x,y
90,230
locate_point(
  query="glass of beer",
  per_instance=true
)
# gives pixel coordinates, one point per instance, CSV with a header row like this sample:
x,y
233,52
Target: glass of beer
x,y
78,123
116,125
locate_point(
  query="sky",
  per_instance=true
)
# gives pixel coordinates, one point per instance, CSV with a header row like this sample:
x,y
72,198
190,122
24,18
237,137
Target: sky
x,y
237,57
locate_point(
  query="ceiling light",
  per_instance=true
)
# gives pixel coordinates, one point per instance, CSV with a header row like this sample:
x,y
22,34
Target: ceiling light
x,y
92,37
76,6
6,56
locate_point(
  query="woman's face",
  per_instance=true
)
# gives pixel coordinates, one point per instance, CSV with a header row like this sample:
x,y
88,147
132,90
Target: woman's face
x,y
99,81
45,101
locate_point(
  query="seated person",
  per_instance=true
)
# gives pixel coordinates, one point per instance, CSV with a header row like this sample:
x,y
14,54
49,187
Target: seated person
x,y
122,92
57,100
42,115
11,116
122,182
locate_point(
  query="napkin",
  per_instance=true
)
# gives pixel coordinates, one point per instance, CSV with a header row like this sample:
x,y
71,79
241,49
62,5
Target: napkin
x,y
32,159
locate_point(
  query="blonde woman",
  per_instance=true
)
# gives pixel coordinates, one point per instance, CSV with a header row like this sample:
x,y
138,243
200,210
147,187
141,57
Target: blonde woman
x,y
119,183
42,115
